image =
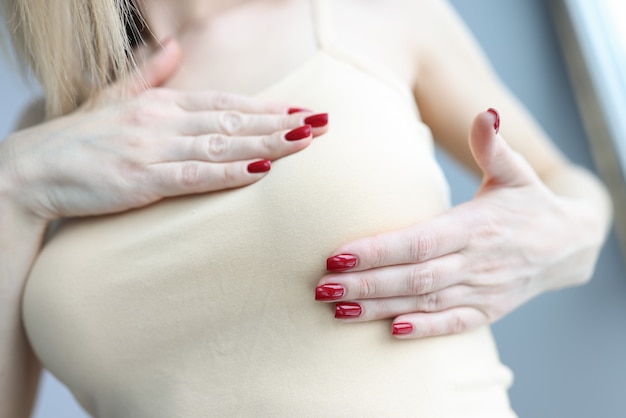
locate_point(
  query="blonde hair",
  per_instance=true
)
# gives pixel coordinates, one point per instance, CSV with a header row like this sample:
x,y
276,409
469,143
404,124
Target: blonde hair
x,y
74,47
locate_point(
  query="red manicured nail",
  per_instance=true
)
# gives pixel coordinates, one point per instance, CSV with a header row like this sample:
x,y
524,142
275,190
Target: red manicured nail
x,y
496,124
402,328
260,166
348,310
298,133
341,262
317,121
293,110
329,292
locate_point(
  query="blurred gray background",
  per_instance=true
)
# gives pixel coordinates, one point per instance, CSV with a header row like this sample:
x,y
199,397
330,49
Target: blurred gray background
x,y
568,348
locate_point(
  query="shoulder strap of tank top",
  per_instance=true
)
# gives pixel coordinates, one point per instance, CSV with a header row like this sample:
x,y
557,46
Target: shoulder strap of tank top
x,y
322,20
324,29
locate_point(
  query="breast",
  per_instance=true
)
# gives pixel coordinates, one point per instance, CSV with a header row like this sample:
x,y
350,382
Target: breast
x,y
207,301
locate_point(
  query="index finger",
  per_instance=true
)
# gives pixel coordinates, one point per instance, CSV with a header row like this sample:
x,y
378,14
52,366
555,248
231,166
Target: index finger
x,y
439,236
198,101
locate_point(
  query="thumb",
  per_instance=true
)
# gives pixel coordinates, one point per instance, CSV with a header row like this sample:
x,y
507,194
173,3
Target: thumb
x,y
157,69
499,163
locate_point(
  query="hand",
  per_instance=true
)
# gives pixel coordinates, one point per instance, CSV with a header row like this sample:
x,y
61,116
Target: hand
x,y
473,264
138,144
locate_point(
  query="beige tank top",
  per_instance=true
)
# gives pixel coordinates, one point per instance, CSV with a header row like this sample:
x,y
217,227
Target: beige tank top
x,y
203,306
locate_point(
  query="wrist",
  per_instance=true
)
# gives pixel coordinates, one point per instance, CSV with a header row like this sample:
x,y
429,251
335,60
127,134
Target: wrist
x,y
579,234
587,199
12,191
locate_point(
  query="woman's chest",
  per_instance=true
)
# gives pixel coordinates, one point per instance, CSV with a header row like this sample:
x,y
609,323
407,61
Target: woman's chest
x,y
247,51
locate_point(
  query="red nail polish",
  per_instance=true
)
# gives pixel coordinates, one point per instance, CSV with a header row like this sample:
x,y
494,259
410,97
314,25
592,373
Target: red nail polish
x,y
341,262
329,292
317,121
348,310
293,110
496,125
402,328
262,166
298,133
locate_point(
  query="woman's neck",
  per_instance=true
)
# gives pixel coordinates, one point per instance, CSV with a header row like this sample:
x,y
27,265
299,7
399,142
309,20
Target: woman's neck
x,y
172,18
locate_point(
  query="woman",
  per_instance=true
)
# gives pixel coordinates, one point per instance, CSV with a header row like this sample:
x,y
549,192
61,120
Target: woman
x,y
224,319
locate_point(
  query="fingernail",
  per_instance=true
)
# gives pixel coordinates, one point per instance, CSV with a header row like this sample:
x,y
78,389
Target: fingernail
x,y
348,310
293,110
259,166
317,121
402,328
341,262
496,124
298,133
329,292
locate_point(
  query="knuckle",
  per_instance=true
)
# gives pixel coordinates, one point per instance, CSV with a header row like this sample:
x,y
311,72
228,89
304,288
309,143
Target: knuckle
x,y
135,141
136,115
430,328
365,288
420,280
422,247
375,251
131,174
269,145
228,176
430,302
159,94
231,122
143,114
376,308
224,101
216,146
189,174
288,122
457,324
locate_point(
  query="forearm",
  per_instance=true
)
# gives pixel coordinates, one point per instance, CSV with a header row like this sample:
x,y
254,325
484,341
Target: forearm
x,y
20,239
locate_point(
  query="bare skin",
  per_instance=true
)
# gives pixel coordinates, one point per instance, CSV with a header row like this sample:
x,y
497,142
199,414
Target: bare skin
x,y
116,155
529,191
426,277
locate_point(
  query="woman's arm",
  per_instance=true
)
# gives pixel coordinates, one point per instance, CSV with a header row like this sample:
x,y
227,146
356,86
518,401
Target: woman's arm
x,y
126,151
19,244
454,82
536,224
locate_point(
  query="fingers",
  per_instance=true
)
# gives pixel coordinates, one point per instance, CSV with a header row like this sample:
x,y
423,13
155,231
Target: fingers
x,y
217,162
224,148
452,318
499,163
373,309
451,321
449,232
182,178
203,101
387,282
440,236
236,123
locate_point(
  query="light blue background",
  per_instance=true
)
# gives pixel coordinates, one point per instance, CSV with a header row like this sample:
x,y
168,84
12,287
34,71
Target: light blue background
x,y
568,348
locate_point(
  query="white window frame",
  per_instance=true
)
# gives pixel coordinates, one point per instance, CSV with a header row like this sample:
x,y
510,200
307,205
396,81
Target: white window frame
x,y
594,45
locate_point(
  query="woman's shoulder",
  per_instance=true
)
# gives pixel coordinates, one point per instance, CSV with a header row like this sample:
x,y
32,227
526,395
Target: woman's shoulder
x,y
416,19
398,33
401,11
